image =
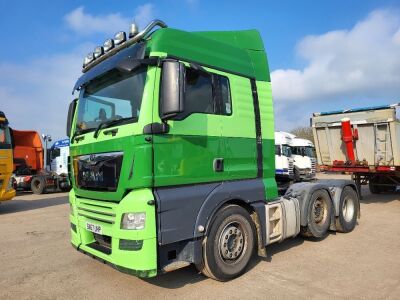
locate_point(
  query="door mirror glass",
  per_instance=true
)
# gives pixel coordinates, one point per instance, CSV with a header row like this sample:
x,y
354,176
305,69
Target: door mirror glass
x,y
70,118
171,94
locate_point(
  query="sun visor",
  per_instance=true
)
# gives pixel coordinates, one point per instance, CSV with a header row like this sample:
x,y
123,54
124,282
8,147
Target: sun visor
x,y
136,51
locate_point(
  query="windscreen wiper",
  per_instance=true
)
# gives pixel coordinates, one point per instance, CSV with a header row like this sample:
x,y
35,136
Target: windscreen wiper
x,y
74,136
109,123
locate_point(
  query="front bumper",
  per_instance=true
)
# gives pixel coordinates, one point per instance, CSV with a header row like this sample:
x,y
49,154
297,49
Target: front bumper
x,y
140,261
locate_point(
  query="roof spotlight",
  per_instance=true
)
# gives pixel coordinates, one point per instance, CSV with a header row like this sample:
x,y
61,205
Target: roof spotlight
x,y
98,51
88,59
108,45
119,37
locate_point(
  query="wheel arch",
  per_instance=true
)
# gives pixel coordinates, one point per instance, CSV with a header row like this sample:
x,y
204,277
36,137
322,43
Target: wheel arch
x,y
249,194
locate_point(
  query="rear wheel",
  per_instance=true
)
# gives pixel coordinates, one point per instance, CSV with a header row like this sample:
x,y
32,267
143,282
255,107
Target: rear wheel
x,y
229,245
348,209
38,185
318,215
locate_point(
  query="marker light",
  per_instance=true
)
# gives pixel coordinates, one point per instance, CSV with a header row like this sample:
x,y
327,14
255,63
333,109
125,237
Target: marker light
x,y
108,45
88,59
133,30
98,51
119,37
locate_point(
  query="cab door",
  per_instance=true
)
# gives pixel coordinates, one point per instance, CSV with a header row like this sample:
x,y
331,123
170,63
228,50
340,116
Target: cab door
x,y
191,152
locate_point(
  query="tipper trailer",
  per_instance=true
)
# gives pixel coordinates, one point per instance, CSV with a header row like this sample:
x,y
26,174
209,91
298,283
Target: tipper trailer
x,y
6,161
172,157
364,142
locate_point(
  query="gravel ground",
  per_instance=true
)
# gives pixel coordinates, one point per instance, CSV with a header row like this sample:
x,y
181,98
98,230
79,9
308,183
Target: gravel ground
x,y
38,262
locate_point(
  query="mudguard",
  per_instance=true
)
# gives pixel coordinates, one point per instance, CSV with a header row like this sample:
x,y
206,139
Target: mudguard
x,y
304,190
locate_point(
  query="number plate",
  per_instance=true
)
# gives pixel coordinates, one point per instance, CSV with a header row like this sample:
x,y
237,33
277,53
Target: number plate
x,y
94,228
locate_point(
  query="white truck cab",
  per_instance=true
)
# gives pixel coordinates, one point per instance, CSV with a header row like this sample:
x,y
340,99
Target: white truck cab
x,y
59,157
303,153
283,156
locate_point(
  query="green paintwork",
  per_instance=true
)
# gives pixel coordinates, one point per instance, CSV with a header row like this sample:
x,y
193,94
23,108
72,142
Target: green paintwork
x,y
237,51
136,201
185,155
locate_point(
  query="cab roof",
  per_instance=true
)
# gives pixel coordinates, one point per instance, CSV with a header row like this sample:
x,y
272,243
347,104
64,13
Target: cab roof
x,y
239,52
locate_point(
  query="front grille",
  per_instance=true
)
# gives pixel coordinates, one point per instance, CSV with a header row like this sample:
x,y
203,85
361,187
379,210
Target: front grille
x,y
313,165
102,211
99,171
290,168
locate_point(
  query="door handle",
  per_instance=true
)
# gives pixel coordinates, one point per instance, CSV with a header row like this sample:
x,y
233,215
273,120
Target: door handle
x,y
218,164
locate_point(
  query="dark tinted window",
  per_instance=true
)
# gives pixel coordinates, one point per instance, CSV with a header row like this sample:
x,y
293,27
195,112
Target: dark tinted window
x,y
277,150
198,93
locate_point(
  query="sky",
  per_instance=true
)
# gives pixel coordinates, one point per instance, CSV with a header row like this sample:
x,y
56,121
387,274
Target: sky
x,y
323,55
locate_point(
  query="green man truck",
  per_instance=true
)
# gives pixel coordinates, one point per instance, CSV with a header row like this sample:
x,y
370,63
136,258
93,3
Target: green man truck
x,y
172,157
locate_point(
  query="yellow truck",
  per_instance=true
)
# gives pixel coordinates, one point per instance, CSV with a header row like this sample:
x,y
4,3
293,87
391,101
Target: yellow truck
x,y
7,191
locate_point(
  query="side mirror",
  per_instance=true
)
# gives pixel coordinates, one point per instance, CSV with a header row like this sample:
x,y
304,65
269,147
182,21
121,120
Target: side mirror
x,y
70,118
172,86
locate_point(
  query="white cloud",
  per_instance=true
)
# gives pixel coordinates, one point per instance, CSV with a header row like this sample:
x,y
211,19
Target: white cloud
x,y
36,94
144,14
361,62
85,23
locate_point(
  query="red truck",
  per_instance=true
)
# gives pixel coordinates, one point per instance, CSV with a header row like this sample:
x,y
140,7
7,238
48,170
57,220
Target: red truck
x,y
29,171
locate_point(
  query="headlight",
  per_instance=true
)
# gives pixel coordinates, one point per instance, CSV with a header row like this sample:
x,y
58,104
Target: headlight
x,y
134,221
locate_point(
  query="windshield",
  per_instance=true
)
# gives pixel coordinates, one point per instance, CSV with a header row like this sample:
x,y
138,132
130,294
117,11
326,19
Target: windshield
x,y
112,96
5,138
304,151
286,150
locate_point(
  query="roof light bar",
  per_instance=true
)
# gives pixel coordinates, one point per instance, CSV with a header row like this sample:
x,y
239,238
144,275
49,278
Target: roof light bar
x,y
120,42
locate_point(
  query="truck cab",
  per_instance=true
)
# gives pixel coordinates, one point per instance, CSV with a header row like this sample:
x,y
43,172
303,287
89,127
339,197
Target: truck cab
x,y
172,158
283,156
59,153
303,153
6,161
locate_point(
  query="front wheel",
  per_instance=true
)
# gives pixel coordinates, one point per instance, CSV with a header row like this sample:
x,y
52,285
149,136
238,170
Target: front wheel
x,y
229,245
38,185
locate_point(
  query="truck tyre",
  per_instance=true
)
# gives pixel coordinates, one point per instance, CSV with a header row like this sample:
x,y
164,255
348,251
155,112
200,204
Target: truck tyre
x,y
348,209
229,244
318,215
38,185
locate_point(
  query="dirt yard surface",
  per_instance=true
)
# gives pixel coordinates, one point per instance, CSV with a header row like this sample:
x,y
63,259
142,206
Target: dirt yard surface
x,y
38,262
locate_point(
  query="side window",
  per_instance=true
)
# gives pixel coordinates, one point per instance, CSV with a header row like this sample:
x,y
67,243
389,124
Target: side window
x,y
226,102
198,93
206,94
